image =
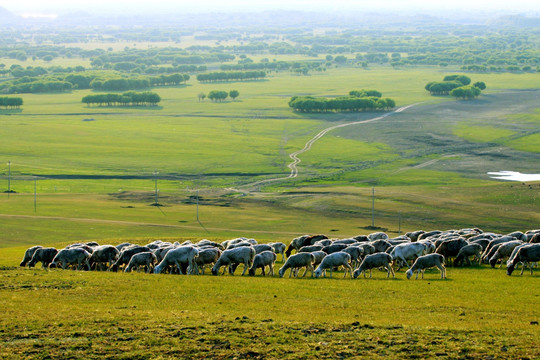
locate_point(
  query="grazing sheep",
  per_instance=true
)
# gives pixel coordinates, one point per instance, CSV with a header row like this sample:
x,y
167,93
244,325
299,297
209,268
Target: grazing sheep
x,y
361,238
239,244
89,249
413,235
206,242
207,256
368,249
146,259
496,241
356,254
377,236
183,258
279,248
429,247
262,260
259,248
310,248
518,235
323,243
381,245
103,255
66,257
527,254
330,249
406,252
451,248
535,239
28,255
482,242
466,252
375,261
504,250
346,241
336,259
319,256
125,255
428,234
45,255
242,255
298,261
123,245
303,240
425,262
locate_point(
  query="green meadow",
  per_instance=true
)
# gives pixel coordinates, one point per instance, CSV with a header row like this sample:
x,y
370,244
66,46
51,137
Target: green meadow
x,y
90,174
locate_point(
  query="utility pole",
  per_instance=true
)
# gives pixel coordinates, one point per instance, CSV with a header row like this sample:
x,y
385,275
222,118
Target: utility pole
x,y
156,189
9,178
197,204
372,207
35,194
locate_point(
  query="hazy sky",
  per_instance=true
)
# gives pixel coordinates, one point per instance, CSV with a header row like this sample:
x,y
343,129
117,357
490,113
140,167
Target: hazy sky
x,y
129,6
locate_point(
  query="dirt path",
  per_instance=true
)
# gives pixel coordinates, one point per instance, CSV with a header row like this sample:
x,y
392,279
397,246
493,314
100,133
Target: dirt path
x,y
293,166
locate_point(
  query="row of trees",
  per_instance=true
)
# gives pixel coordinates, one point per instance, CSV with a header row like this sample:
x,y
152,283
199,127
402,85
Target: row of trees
x,y
231,76
129,98
310,104
11,102
219,95
38,87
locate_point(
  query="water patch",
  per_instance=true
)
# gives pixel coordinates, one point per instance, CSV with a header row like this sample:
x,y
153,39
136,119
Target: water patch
x,y
513,176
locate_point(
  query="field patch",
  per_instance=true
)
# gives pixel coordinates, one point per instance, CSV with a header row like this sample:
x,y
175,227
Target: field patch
x,y
482,133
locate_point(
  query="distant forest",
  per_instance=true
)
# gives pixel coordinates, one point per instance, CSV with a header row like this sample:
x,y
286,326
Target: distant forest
x,y
504,44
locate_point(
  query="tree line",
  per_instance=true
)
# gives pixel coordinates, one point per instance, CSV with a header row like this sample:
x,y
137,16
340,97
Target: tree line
x,y
219,95
96,80
351,103
231,76
129,98
11,102
457,86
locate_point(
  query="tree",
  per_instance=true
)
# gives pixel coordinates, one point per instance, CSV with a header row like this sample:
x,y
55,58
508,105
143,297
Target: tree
x,y
467,92
201,96
480,84
217,95
234,94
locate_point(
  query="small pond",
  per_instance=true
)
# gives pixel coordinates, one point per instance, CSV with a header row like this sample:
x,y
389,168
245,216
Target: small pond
x,y
513,176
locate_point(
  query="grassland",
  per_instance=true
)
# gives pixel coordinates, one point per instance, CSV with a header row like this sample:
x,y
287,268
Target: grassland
x,y
476,313
428,167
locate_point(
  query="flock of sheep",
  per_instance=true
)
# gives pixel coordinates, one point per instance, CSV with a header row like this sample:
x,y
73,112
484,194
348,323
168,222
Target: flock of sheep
x,y
315,253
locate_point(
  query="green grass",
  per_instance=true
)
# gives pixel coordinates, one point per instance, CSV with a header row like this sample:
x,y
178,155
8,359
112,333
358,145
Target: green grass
x,y
91,315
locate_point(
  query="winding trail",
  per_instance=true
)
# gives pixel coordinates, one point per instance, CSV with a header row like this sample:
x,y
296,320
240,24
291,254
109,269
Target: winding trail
x,y
293,166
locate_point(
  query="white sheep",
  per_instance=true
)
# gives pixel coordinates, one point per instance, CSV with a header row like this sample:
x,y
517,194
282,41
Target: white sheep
x,y
526,254
262,260
356,253
279,248
43,255
104,255
426,262
504,250
233,257
183,256
207,256
66,257
467,251
333,260
259,248
407,251
146,259
375,261
28,254
298,261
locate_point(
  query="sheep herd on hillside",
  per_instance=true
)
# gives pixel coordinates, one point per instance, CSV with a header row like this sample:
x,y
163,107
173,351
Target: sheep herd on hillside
x,y
317,254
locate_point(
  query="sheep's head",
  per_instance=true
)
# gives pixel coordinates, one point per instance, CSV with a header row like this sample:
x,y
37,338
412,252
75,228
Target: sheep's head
x,y
510,269
318,273
356,273
252,272
409,274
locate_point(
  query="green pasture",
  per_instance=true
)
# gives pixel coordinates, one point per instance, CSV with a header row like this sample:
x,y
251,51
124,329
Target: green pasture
x,y
428,163
477,312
